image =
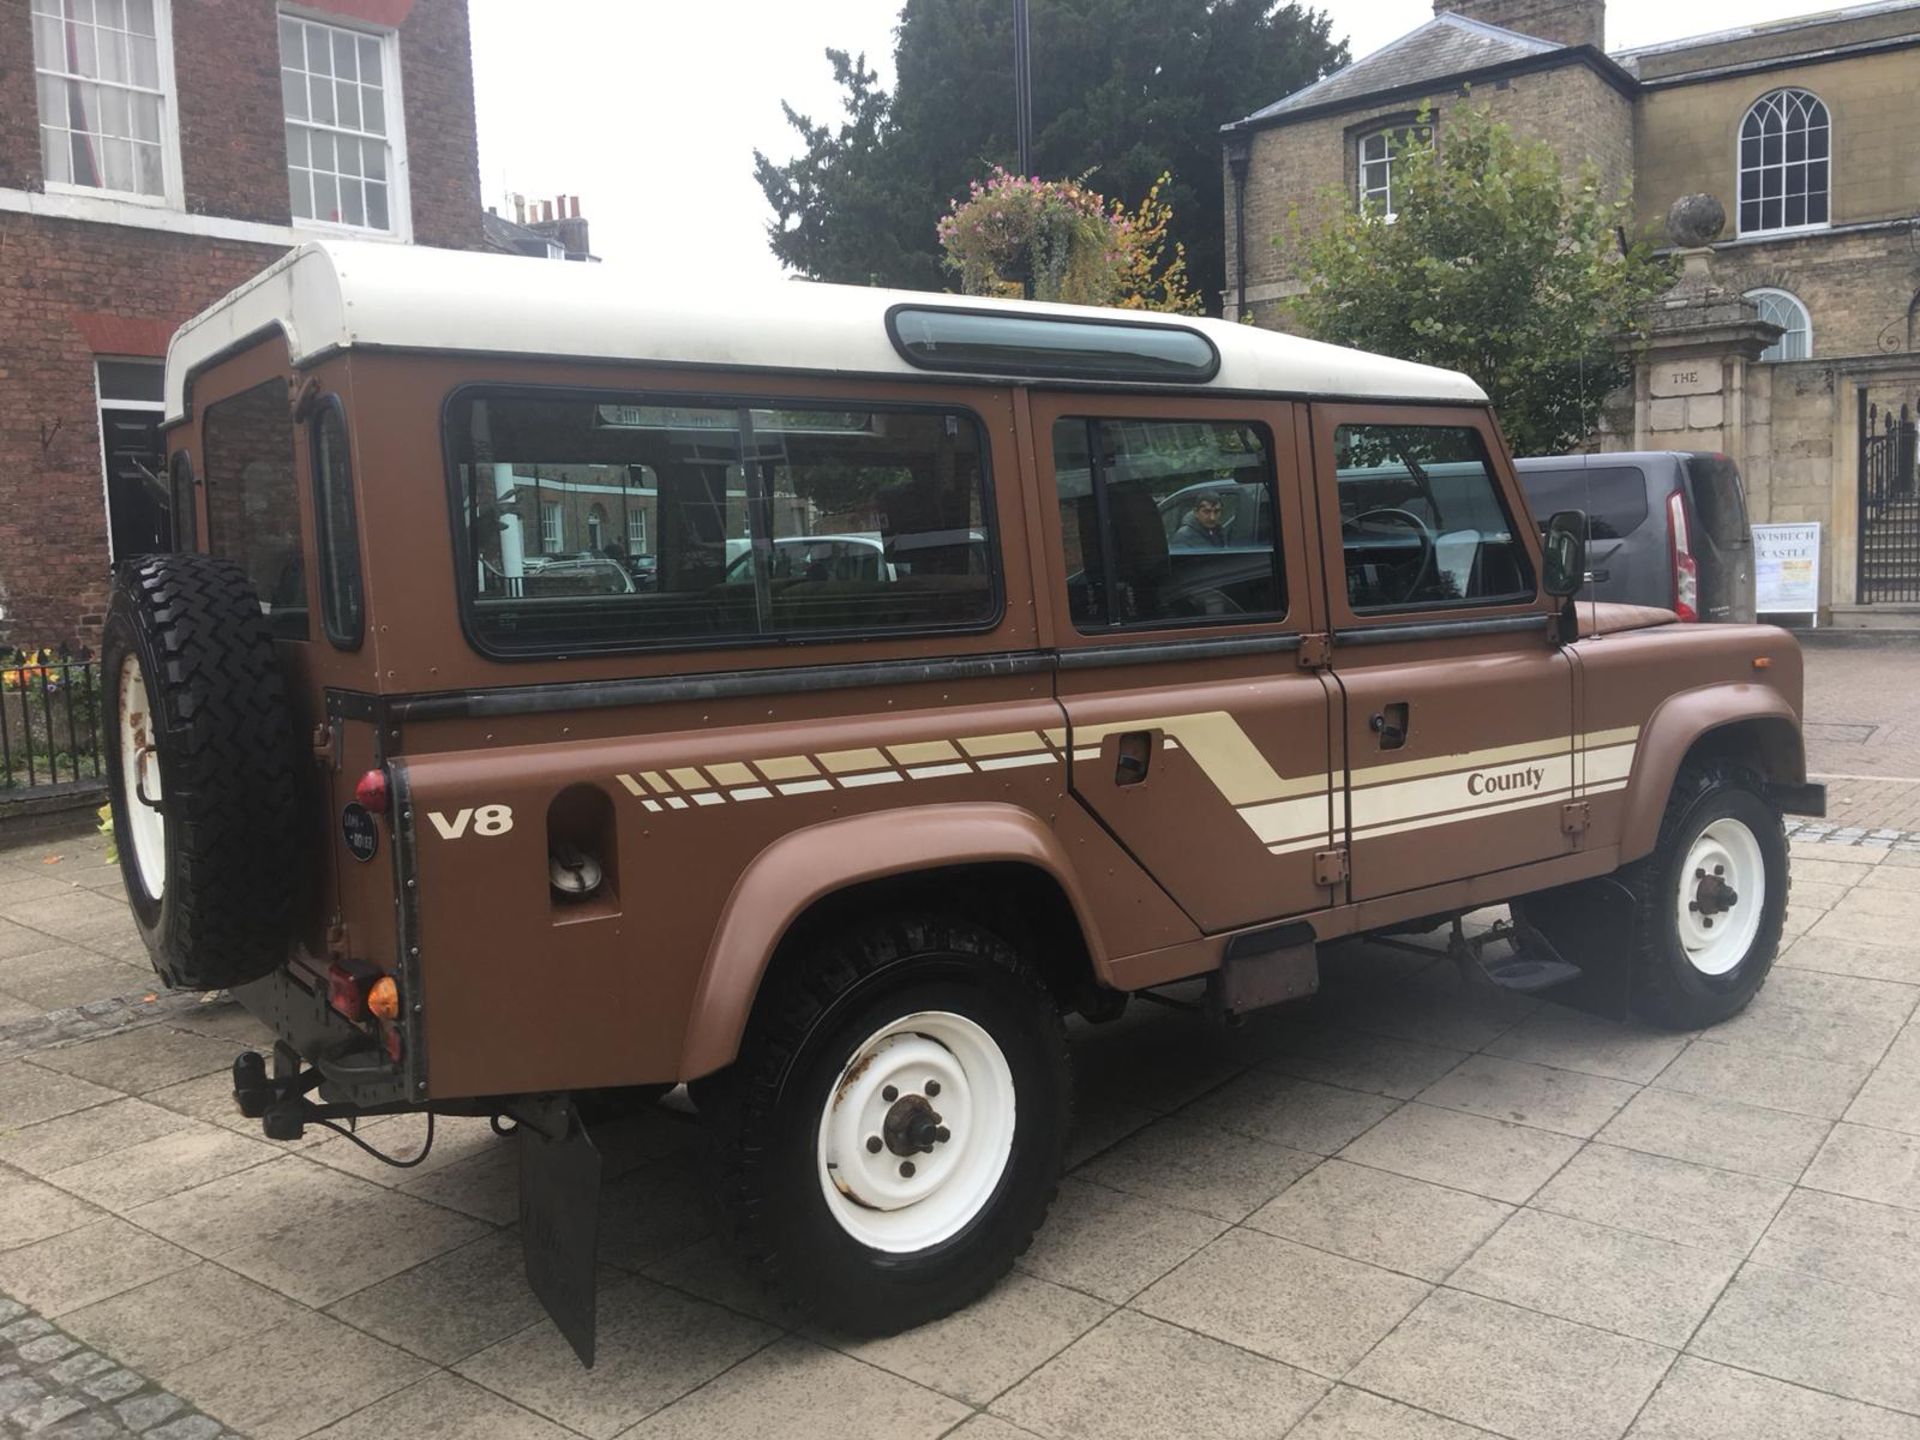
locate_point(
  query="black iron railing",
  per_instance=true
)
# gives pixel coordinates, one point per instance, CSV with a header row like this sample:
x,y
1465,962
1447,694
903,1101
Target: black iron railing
x,y
50,720
1889,559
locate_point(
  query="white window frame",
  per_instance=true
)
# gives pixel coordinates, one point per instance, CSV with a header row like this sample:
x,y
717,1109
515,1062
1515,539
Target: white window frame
x,y
399,176
1363,193
100,405
1741,170
637,530
1776,353
553,527
173,195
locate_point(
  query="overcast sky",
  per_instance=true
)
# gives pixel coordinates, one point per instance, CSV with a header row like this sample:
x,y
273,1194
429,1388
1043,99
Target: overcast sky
x,y
650,110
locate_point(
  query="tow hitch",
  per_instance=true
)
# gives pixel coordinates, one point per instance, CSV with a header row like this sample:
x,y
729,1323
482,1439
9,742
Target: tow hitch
x,y
279,1101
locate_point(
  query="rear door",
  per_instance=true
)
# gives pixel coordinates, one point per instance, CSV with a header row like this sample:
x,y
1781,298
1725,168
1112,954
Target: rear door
x,y
1722,537
1183,583
1455,709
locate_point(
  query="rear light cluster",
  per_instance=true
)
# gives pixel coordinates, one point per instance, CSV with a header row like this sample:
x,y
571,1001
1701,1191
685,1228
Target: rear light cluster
x,y
1686,574
358,992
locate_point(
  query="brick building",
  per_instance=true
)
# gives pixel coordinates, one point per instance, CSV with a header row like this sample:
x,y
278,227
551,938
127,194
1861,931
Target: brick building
x,y
1787,326
153,154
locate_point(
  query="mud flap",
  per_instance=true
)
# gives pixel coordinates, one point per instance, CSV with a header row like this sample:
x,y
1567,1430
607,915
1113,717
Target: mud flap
x,y
1589,926
560,1223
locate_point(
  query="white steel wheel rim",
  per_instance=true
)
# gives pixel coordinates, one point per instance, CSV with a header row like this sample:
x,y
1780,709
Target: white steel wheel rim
x,y
905,1202
1721,897
140,775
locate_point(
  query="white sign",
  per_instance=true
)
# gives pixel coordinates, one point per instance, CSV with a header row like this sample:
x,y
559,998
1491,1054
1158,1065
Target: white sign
x,y
1786,568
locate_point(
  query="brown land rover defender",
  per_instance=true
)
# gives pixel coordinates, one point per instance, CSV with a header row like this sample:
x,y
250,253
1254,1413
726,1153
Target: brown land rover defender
x,y
812,696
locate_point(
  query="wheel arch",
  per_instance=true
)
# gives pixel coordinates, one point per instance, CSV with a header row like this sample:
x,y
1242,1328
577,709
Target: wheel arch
x,y
999,857
1750,724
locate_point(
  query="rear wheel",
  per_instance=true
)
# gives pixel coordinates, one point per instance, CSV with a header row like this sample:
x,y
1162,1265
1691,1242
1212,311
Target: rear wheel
x,y
1713,897
892,1133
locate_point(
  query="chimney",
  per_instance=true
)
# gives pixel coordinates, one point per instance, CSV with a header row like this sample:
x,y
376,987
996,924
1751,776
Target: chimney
x,y
1562,22
519,209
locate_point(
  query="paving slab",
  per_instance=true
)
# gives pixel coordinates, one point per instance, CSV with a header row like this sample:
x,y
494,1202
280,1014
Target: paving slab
x,y
1847,1241
30,1093
1869,1164
287,1382
1613,1279
84,1135
1354,1060
1464,1152
1513,1371
1349,1414
174,1160
1567,1101
141,1060
994,1343
1112,1245
1722,1133
81,1266
1135,1378
443,1407
1838,1338
1304,1307
1700,1400
1773,1081
31,1211
1570,1040
167,1324
787,1391
1381,1218
451,1306
1191,1166
1300,1114
1665,1198
1890,1100
656,1344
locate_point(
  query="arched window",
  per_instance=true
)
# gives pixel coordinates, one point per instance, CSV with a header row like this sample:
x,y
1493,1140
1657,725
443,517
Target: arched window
x,y
1785,148
1379,153
1783,308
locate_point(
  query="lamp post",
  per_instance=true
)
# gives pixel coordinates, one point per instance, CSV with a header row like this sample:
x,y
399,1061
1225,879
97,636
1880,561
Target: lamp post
x,y
1023,86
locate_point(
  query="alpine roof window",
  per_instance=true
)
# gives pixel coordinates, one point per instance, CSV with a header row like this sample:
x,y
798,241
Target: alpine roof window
x,y
989,342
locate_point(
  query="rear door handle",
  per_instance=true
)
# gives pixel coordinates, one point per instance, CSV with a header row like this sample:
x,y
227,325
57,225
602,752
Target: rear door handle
x,y
1391,723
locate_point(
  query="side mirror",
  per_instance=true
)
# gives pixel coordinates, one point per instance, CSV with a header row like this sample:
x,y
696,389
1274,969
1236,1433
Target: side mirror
x,y
1566,553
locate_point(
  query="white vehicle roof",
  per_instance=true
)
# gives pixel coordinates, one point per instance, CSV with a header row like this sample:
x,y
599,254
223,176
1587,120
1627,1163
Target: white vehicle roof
x,y
329,296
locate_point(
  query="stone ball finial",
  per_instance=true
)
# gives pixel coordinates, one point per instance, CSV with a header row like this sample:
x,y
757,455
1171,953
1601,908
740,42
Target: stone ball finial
x,y
1695,220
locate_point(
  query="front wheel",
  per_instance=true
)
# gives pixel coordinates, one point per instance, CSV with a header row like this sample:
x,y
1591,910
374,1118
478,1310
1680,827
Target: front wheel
x,y
893,1130
1713,896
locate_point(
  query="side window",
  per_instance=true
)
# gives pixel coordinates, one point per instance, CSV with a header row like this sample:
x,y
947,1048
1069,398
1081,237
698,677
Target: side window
x,y
186,533
614,521
338,535
1166,522
253,508
1422,521
1614,497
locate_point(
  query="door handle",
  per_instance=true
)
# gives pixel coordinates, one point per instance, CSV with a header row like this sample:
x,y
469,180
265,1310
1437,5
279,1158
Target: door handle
x,y
1132,757
1391,723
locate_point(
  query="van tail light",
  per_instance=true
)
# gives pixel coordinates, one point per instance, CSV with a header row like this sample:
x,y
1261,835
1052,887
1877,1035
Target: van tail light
x,y
1686,574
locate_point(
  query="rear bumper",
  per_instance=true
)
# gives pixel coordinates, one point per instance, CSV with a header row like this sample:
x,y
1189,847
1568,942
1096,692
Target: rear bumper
x,y
1802,799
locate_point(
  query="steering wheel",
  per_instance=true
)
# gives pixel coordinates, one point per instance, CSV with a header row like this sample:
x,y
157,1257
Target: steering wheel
x,y
1429,543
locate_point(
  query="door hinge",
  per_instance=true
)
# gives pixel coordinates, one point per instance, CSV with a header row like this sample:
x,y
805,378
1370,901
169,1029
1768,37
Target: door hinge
x,y
1330,867
1575,816
326,743
1316,651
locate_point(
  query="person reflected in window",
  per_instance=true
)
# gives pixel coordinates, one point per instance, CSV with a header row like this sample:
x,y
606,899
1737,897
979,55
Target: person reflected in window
x,y
1205,525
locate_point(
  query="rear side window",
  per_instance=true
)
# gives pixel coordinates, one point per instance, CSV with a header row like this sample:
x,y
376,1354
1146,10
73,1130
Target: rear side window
x,y
253,508
1614,497
339,547
1719,500
594,521
1166,522
1422,521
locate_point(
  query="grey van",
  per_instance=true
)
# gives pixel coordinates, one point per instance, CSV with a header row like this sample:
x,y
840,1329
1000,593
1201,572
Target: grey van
x,y
1665,527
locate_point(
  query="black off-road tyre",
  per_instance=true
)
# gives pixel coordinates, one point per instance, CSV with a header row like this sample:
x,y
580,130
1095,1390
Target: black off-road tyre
x,y
1668,989
225,750
764,1117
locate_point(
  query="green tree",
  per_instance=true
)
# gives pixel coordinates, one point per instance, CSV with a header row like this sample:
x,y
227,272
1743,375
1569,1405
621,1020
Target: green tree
x,y
1495,264
1124,91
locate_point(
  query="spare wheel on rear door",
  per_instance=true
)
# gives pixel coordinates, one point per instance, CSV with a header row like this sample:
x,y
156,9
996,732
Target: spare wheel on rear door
x,y
200,760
